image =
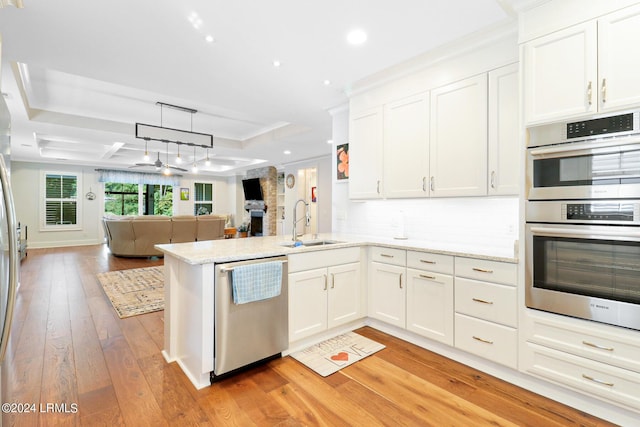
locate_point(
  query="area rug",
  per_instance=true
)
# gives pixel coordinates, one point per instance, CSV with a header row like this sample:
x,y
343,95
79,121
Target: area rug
x,y
134,291
334,354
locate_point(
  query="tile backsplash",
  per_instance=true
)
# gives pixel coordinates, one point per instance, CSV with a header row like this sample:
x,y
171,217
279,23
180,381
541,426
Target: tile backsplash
x,y
487,221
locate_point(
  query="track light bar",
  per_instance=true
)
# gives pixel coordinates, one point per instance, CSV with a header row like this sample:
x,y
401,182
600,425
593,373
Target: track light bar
x,y
175,136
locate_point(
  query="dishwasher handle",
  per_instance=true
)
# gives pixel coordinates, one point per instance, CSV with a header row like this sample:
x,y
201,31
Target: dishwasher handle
x,y
230,269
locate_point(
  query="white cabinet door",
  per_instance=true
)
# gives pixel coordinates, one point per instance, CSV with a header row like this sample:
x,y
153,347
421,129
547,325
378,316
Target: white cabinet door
x,y
344,294
458,144
560,74
619,59
307,303
504,134
430,305
406,147
365,154
387,293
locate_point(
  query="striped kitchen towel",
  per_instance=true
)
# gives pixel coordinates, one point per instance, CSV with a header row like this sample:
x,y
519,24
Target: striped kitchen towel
x,y
255,282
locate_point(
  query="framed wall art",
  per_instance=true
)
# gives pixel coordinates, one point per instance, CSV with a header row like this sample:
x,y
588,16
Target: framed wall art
x,y
342,162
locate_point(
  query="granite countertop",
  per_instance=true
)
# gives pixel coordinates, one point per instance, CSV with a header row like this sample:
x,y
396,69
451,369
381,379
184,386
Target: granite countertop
x,y
228,250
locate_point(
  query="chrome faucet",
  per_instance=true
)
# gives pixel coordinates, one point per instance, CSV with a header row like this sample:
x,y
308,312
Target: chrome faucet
x,y
307,218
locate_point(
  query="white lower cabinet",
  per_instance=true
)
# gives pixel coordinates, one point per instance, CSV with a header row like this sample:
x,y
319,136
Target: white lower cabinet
x,y
486,308
594,358
325,297
430,296
487,339
387,286
617,385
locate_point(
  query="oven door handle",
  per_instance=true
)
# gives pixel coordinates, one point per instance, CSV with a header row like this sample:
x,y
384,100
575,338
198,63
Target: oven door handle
x,y
615,234
583,148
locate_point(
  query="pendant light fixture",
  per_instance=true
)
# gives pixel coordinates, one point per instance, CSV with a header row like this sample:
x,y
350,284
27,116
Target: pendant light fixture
x,y
178,158
166,170
146,151
207,162
194,168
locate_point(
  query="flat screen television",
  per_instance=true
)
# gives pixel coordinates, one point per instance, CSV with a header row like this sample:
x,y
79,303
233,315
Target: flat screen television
x,y
252,189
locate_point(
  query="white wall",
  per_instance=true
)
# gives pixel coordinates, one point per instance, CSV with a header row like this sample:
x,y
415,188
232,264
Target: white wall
x,y
27,194
25,182
223,195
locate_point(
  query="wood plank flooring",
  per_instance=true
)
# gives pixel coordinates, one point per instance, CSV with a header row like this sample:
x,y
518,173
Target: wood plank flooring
x,y
68,347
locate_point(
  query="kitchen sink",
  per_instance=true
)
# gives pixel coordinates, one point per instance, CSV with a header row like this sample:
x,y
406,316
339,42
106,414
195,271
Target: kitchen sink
x,y
309,243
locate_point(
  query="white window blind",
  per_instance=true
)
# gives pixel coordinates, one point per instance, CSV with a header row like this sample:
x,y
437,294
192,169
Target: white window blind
x,y
61,200
203,198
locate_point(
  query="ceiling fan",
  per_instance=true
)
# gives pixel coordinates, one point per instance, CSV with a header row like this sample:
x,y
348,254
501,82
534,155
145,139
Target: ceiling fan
x,y
159,165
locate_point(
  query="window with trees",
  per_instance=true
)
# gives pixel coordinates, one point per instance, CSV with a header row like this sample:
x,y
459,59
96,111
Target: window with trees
x,y
203,204
61,210
125,199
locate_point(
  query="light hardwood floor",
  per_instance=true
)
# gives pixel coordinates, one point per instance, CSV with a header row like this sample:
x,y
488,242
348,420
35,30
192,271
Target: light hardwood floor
x,y
69,347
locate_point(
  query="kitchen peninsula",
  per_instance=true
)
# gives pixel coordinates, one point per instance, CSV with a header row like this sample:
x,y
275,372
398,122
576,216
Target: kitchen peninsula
x,y
190,278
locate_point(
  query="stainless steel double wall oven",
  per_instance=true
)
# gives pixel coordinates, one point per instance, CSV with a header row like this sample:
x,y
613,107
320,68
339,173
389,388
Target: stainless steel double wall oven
x,y
583,219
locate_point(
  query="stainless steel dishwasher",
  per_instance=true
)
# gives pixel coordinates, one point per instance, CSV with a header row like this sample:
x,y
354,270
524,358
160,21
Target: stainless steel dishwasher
x,y
247,334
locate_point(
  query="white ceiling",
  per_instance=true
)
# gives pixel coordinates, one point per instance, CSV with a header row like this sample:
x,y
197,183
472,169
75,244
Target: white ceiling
x,y
78,75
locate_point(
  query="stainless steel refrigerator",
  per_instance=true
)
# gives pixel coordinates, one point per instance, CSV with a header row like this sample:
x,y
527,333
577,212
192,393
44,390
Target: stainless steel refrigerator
x,y
9,260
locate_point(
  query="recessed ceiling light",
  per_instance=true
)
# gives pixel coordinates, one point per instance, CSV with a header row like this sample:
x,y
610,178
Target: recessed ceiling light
x,y
329,141
287,152
356,37
327,82
209,39
276,63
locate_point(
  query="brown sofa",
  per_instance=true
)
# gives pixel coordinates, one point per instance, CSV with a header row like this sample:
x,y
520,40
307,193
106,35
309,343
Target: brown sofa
x,y
136,235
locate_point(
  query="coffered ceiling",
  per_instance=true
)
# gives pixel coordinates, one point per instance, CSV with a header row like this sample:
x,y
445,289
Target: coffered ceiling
x,y
78,75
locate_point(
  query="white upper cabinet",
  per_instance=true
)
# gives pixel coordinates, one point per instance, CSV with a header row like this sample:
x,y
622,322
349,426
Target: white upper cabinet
x,y
587,68
406,147
619,59
504,135
560,77
458,144
365,154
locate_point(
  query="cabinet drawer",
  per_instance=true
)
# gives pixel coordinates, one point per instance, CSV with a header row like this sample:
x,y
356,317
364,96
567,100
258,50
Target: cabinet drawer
x,y
437,263
324,258
389,255
485,339
489,271
614,384
488,301
590,340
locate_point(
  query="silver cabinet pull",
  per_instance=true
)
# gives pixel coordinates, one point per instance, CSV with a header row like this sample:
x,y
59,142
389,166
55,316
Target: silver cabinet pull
x,y
378,187
595,380
482,270
482,340
325,282
386,255
482,301
600,347
425,276
333,281
493,179
424,183
433,184
400,281
589,93
426,261
604,90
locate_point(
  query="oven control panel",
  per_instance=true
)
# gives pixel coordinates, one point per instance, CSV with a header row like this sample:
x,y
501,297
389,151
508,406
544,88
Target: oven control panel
x,y
601,126
606,212
597,212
